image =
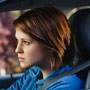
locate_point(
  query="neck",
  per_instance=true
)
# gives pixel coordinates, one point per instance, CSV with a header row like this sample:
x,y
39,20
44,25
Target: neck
x,y
46,72
46,67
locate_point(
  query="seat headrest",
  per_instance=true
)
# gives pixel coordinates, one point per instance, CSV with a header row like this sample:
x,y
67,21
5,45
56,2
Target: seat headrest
x,y
80,27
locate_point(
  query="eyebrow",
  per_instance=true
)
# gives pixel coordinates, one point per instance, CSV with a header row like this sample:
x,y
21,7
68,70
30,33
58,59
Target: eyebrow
x,y
22,39
25,39
30,39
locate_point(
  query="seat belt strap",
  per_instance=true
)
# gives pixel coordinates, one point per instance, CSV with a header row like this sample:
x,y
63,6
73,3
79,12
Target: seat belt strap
x,y
70,72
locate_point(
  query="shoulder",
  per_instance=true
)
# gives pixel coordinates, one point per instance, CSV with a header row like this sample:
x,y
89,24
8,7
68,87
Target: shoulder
x,y
72,82
28,76
32,72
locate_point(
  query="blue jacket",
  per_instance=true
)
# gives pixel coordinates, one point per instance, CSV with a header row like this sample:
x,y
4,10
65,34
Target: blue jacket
x,y
31,80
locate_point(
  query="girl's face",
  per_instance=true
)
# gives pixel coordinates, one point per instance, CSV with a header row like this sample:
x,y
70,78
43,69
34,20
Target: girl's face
x,y
29,51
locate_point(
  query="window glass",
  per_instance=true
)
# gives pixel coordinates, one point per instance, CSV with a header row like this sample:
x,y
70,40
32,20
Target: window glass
x,y
8,59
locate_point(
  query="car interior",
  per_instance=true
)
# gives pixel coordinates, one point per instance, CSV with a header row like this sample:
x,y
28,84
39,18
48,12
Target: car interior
x,y
79,23
79,20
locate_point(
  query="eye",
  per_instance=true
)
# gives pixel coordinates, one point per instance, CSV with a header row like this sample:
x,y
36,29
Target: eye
x,y
26,42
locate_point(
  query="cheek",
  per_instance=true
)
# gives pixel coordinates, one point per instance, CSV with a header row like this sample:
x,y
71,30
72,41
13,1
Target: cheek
x,y
35,54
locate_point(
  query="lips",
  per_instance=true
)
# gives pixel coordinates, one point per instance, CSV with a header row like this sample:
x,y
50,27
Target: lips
x,y
21,59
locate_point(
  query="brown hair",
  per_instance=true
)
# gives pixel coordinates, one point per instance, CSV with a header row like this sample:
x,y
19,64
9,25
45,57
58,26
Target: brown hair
x,y
48,25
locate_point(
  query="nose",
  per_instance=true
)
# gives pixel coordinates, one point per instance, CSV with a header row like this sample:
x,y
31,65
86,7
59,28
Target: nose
x,y
19,49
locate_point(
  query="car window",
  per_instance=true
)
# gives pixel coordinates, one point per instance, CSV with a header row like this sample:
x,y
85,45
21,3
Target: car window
x,y
8,59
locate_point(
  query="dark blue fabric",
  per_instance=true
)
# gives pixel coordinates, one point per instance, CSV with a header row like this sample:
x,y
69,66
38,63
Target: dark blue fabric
x,y
31,80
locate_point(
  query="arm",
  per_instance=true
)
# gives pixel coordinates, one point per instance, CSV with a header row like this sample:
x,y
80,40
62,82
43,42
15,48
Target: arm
x,y
18,84
22,83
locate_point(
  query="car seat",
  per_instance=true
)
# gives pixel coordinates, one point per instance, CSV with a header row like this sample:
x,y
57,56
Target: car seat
x,y
80,28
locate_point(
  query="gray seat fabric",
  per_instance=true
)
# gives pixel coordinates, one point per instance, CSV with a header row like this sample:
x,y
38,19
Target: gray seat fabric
x,y
80,27
88,81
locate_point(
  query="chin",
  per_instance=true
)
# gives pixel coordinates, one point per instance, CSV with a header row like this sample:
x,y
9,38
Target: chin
x,y
24,66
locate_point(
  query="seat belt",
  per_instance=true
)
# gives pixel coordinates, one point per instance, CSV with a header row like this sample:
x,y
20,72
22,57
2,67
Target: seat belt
x,y
70,72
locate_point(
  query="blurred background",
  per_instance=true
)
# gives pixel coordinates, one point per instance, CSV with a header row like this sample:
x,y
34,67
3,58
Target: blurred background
x,y
8,59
